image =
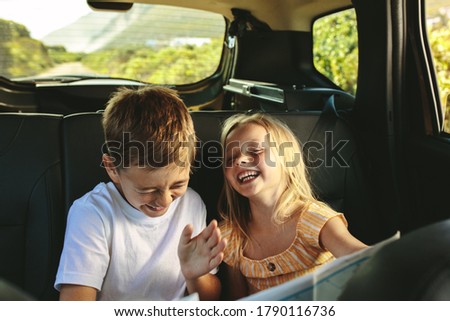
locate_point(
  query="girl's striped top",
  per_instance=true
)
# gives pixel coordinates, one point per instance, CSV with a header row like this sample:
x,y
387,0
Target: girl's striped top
x,y
303,256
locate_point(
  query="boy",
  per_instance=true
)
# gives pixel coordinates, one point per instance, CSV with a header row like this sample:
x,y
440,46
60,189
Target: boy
x,y
131,239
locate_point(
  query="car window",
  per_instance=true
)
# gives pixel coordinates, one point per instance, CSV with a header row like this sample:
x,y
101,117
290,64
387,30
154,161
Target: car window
x,y
438,29
335,48
149,43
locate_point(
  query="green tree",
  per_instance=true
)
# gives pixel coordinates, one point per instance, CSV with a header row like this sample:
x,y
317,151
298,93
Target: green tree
x,y
336,48
20,54
439,39
168,65
59,55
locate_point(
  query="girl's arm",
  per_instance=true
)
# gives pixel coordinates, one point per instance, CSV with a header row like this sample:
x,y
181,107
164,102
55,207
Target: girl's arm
x,y
207,286
336,238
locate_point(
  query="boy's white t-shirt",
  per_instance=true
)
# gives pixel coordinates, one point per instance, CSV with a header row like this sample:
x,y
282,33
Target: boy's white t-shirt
x,y
123,253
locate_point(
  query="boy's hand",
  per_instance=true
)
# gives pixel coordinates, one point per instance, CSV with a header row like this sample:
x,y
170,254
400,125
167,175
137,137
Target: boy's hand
x,y
201,254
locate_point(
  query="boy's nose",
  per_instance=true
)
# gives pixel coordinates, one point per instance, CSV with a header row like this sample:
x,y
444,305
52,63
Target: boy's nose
x,y
164,199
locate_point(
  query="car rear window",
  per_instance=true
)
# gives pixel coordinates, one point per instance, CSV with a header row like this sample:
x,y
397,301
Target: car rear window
x,y
150,43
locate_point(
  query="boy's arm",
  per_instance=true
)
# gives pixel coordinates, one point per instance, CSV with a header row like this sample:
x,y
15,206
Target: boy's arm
x,y
74,292
198,256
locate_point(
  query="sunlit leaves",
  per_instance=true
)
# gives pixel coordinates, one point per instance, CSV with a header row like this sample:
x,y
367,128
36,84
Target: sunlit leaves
x,y
336,48
170,65
439,39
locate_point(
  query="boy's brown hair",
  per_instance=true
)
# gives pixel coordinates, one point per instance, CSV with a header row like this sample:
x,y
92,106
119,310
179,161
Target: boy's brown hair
x,y
149,127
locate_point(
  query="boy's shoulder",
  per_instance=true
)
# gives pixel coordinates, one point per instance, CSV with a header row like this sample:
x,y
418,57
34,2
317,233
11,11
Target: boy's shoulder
x,y
101,189
101,195
192,194
191,199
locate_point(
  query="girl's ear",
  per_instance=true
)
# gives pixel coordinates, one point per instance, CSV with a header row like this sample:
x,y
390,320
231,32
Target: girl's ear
x,y
111,169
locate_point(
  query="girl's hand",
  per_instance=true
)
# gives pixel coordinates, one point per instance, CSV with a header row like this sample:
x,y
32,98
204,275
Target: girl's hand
x,y
199,255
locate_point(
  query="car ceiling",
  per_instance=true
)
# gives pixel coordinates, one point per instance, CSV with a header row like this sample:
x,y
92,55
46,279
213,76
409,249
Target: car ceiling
x,y
279,15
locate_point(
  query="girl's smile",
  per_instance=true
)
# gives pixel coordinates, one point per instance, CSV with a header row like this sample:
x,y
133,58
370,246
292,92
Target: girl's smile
x,y
247,176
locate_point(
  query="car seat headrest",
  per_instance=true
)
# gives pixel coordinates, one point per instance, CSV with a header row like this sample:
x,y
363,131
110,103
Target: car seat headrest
x,y
415,267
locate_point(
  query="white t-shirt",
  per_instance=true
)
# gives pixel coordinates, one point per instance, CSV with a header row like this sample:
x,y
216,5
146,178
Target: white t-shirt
x,y
123,253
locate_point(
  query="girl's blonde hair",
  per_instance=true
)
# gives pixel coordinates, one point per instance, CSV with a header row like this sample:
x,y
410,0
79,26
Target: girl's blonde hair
x,y
297,194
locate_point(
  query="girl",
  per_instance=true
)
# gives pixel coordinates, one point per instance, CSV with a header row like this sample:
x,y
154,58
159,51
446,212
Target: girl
x,y
275,228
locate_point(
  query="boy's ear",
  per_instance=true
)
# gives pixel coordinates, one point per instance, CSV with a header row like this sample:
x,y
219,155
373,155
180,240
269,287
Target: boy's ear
x,y
111,169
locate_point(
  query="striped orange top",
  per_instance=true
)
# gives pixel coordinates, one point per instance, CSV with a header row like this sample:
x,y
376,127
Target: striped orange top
x,y
303,256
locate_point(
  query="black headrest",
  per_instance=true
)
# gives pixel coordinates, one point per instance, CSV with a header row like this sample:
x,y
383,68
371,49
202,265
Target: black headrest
x,y
416,267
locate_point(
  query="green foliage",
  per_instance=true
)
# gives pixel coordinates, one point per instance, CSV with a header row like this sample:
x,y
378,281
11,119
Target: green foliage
x,y
169,65
10,30
336,48
59,55
439,39
21,55
28,57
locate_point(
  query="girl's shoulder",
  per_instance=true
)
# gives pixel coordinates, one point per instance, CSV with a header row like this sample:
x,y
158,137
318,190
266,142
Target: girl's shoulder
x,y
313,219
318,210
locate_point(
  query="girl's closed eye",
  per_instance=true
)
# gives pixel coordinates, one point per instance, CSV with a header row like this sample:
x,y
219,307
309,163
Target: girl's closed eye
x,y
254,153
255,150
231,157
229,161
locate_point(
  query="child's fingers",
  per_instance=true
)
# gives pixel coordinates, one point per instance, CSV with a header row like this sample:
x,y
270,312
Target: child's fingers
x,y
218,248
208,231
215,261
186,235
214,238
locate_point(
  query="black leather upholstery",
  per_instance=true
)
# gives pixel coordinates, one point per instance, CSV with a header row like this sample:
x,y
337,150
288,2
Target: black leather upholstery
x,y
11,292
207,176
83,138
31,207
415,267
